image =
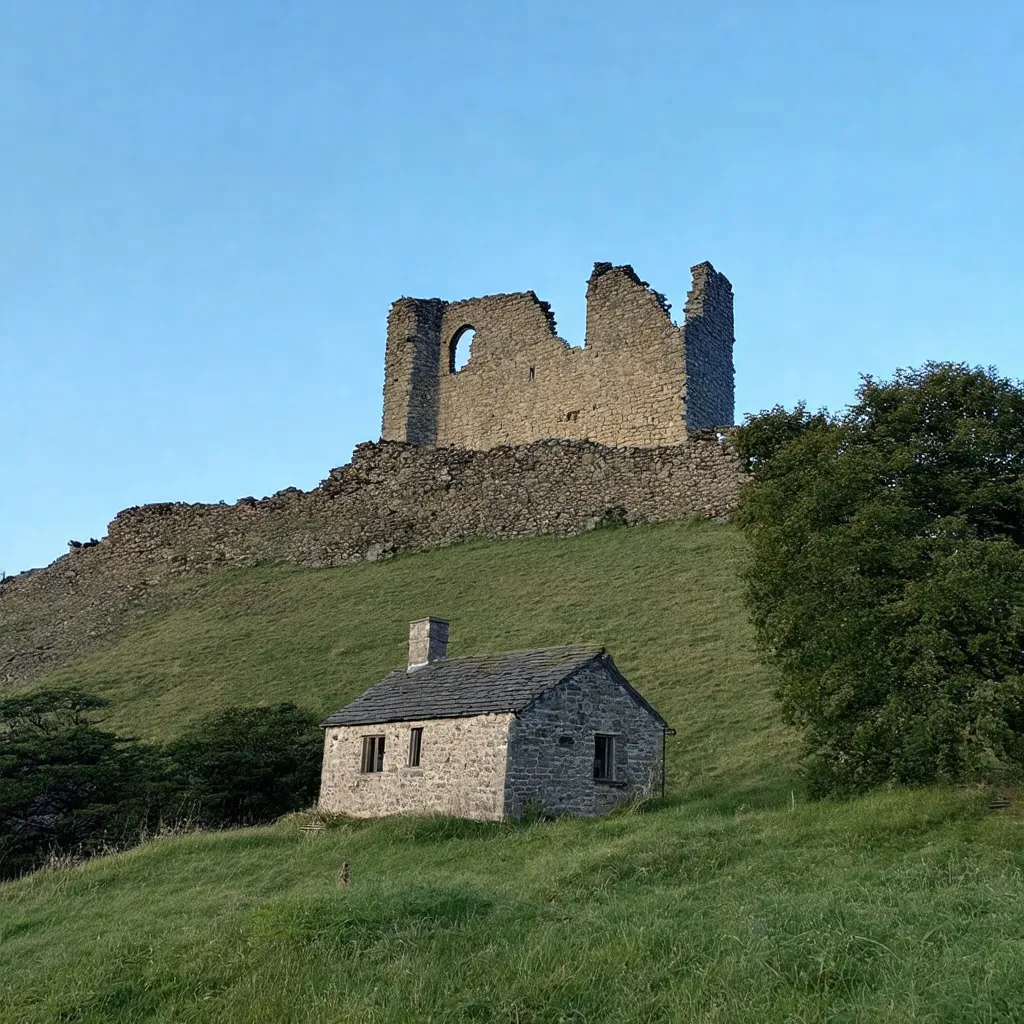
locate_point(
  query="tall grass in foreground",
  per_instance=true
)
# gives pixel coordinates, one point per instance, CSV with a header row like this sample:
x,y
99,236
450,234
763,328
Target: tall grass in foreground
x,y
898,907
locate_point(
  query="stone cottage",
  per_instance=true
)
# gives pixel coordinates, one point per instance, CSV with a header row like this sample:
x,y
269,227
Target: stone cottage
x,y
487,736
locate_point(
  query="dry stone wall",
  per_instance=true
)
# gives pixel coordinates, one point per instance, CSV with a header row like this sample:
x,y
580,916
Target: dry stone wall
x,y
639,380
391,497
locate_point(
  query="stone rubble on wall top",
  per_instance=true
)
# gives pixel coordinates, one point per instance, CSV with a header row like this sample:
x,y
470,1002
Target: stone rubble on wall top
x,y
391,497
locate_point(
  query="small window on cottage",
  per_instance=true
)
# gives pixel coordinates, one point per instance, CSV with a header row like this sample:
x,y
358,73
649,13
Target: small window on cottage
x,y
373,754
415,742
604,757
533,372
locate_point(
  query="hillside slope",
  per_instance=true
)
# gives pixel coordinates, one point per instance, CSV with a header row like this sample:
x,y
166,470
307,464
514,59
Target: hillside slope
x,y
664,600
900,907
390,498
732,901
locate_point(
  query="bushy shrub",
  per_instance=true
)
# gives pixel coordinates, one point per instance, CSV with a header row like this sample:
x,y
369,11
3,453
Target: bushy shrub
x,y
69,789
248,765
66,785
761,436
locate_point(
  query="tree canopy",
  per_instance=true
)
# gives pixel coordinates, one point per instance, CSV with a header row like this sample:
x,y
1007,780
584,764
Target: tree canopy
x,y
887,575
69,787
248,765
65,783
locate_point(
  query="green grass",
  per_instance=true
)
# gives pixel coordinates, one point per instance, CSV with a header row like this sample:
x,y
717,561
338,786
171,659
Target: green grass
x,y
732,900
891,908
664,600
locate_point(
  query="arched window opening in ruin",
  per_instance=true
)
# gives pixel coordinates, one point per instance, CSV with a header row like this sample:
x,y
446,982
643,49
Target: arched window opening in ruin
x,y
458,352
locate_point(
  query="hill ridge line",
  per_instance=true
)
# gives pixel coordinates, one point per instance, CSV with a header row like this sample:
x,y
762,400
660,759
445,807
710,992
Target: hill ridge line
x,y
391,497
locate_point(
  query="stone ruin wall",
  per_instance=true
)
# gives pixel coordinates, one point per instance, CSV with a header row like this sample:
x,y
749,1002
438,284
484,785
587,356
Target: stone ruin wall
x,y
710,390
530,437
640,380
392,497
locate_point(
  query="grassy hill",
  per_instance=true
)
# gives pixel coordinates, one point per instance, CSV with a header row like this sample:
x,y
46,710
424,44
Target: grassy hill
x,y
664,600
734,900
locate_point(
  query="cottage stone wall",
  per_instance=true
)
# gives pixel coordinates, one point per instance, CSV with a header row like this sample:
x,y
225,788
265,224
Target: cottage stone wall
x,y
495,766
551,748
391,497
461,772
639,380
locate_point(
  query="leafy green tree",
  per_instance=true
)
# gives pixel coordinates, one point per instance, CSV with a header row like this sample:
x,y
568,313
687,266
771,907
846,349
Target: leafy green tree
x,y
887,576
763,435
67,786
245,766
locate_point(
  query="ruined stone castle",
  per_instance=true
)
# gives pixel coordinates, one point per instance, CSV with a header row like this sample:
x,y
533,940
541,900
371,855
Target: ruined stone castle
x,y
530,436
639,380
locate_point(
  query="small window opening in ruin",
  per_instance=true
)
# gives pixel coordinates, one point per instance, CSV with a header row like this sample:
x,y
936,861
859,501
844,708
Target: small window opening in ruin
x,y
533,372
373,754
459,349
604,757
565,741
572,416
415,742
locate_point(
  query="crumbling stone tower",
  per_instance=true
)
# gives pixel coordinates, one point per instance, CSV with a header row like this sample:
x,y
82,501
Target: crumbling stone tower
x,y
639,380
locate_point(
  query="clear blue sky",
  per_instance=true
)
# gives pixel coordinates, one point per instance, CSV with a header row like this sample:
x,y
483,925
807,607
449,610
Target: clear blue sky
x,y
207,208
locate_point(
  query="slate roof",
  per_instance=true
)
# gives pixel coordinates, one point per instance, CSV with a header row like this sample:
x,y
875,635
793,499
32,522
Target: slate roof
x,y
483,684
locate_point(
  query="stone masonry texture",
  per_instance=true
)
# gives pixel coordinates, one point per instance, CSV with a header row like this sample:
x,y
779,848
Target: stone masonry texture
x,y
708,330
392,497
498,765
428,640
551,748
640,380
461,772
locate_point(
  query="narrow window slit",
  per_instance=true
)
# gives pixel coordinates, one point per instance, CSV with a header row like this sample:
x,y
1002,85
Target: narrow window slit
x,y
415,743
604,757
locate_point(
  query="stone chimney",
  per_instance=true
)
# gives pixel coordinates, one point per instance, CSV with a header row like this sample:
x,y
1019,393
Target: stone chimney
x,y
428,641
